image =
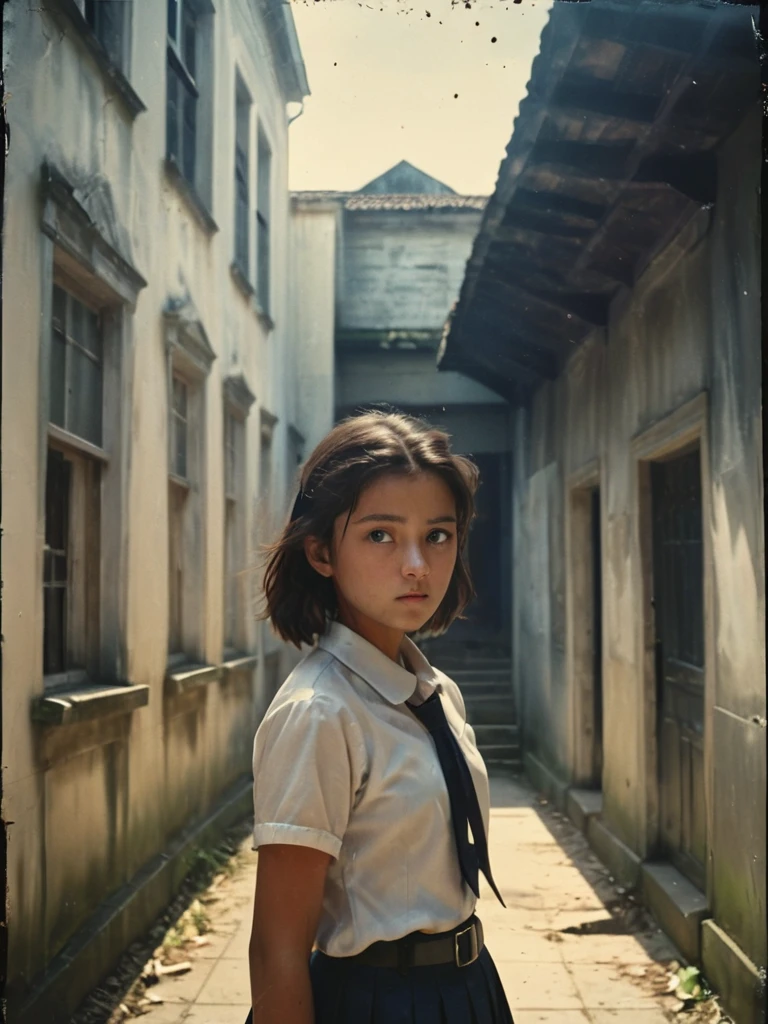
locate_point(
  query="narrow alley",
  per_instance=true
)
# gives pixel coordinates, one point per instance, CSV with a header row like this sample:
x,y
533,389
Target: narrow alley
x,y
570,947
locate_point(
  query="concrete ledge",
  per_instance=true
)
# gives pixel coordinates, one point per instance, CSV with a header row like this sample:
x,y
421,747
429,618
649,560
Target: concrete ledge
x,y
739,983
243,663
94,950
677,905
623,863
583,804
545,781
189,677
86,703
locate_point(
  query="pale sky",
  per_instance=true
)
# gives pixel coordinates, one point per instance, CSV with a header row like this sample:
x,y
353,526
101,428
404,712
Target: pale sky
x,y
383,78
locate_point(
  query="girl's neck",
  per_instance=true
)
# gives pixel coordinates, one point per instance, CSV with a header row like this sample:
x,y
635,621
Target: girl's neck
x,y
385,638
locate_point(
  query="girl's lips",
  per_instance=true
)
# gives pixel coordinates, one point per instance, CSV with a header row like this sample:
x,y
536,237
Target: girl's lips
x,y
412,597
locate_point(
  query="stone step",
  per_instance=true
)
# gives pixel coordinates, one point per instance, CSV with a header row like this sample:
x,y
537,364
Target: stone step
x,y
500,752
504,767
481,679
490,710
470,691
497,735
447,664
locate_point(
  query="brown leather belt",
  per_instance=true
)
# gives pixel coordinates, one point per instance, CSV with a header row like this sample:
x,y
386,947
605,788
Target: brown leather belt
x,y
460,946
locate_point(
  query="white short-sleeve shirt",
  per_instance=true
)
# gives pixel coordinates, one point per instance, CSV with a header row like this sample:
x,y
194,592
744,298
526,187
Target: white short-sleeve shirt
x,y
341,764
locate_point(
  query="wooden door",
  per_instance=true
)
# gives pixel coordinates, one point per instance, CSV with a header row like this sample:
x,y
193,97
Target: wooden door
x,y
678,595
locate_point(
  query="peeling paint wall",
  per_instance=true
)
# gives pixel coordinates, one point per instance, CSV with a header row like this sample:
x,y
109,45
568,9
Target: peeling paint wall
x,y
91,803
691,324
403,269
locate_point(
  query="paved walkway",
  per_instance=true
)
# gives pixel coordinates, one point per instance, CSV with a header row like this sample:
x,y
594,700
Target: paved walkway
x,y
570,947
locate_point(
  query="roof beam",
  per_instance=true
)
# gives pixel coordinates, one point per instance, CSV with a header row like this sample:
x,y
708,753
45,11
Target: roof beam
x,y
540,223
592,159
556,203
583,94
591,309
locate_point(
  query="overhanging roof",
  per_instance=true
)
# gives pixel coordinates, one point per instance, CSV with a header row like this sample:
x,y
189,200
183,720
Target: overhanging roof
x,y
612,153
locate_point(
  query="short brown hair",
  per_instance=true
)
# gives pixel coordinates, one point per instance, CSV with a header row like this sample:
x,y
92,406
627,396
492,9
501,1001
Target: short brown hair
x,y
299,601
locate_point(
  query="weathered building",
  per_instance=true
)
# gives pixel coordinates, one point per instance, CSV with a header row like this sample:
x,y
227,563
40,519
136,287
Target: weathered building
x,y
397,250
151,434
613,297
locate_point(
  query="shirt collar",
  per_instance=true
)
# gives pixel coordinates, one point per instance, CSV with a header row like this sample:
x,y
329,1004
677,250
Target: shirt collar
x,y
392,681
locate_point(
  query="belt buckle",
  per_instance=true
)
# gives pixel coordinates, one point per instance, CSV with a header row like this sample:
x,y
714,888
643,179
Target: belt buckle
x,y
475,953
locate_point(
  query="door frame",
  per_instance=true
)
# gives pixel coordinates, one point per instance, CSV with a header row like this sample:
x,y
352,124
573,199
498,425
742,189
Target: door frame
x,y
665,439
580,617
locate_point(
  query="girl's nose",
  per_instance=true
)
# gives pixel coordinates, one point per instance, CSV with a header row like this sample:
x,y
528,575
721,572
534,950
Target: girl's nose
x,y
414,563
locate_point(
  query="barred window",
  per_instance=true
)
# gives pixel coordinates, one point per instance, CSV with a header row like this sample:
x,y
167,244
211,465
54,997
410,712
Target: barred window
x,y
263,221
183,94
242,177
76,368
108,20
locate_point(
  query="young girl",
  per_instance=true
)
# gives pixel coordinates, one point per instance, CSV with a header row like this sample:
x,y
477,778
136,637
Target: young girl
x,y
367,778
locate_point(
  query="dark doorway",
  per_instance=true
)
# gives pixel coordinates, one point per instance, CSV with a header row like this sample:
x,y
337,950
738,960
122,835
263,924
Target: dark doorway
x,y
597,639
678,598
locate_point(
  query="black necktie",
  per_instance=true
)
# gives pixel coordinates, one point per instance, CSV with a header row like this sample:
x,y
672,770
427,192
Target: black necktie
x,y
473,857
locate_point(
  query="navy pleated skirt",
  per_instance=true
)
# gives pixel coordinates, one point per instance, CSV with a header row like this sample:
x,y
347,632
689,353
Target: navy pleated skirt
x,y
350,993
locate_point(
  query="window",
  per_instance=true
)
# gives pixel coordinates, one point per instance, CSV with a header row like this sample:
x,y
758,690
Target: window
x,y
242,177
76,368
178,490
181,125
234,569
71,552
238,400
263,215
189,360
83,473
296,445
178,427
108,20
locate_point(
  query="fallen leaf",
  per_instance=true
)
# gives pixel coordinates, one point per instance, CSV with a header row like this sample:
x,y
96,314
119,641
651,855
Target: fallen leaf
x,y
181,968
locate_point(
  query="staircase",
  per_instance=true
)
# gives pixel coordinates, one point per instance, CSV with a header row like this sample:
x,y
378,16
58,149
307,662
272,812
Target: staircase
x,y
485,681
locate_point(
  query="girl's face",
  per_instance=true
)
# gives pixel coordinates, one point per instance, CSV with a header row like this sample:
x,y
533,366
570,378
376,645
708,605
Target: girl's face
x,y
392,565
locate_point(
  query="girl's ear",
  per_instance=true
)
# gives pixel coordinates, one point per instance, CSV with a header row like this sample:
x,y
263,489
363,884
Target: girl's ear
x,y
318,556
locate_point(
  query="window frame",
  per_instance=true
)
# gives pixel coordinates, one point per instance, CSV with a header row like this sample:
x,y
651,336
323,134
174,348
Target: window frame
x,y
263,219
191,162
77,257
242,179
237,402
189,358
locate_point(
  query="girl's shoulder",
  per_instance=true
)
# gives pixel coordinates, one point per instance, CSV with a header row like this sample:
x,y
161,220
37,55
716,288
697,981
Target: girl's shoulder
x,y
314,682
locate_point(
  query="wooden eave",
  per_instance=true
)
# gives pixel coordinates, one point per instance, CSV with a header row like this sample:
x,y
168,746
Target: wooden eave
x,y
613,153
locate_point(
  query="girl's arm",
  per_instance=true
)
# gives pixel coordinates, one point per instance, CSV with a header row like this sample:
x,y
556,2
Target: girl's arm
x,y
289,897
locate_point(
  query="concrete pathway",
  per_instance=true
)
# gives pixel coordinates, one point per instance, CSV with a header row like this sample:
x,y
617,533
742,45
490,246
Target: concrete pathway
x,y
570,947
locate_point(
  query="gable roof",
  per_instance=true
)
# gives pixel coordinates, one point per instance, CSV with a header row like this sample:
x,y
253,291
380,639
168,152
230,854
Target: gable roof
x,y
405,179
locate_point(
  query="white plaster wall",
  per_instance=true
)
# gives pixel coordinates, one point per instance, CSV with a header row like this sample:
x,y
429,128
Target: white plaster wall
x,y
403,269
314,234
689,327
170,758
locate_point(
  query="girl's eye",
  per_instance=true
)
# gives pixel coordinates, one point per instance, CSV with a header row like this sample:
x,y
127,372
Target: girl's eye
x,y
380,537
439,537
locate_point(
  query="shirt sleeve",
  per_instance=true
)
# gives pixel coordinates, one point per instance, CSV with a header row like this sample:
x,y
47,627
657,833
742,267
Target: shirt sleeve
x,y
306,763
